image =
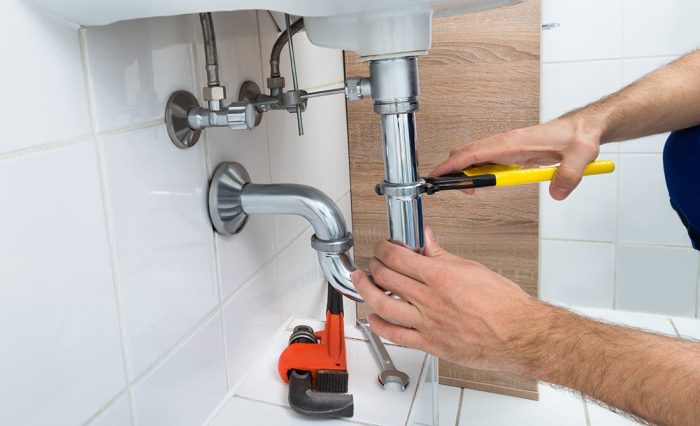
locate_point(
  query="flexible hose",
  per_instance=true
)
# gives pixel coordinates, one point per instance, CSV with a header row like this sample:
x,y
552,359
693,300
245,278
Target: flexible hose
x,y
279,44
210,52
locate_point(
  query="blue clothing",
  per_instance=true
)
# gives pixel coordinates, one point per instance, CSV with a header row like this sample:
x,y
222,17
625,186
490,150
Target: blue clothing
x,y
682,170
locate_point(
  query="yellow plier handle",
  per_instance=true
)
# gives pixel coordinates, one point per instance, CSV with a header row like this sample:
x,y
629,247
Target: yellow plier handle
x,y
515,175
498,175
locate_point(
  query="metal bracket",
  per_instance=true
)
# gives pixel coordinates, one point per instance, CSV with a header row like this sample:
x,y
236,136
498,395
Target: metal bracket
x,y
332,246
401,190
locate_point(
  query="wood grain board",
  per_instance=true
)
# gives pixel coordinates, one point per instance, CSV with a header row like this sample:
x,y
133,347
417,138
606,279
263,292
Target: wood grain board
x,y
481,77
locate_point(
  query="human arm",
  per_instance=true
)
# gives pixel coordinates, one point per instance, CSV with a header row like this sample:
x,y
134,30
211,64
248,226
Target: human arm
x,y
667,99
463,312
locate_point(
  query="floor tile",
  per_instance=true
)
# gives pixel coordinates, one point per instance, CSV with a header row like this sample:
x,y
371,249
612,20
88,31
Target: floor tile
x,y
687,327
264,384
555,407
600,416
248,412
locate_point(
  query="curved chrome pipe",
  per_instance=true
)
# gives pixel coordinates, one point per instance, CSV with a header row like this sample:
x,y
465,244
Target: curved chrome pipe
x,y
232,198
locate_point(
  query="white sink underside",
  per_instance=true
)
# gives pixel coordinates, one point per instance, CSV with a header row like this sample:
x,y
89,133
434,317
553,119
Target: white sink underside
x,y
369,27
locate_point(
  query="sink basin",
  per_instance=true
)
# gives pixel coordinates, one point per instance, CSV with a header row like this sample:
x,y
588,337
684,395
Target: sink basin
x,y
369,27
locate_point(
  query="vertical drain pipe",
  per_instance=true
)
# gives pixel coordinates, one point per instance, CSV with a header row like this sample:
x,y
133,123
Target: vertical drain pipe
x,y
394,85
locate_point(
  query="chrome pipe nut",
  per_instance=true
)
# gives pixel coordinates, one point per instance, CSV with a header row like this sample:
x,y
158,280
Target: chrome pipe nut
x,y
214,93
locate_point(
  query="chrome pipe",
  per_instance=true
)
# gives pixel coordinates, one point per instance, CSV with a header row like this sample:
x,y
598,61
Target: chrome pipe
x,y
301,200
394,88
232,198
332,241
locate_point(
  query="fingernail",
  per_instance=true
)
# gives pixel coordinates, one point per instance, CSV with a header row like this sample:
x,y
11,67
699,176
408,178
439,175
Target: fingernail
x,y
559,192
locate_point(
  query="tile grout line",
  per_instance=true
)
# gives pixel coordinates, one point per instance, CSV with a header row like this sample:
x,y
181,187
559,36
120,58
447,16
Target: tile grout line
x,y
459,406
612,59
675,329
585,409
99,159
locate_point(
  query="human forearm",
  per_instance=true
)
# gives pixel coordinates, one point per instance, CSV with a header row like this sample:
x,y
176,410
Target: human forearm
x,y
656,378
667,99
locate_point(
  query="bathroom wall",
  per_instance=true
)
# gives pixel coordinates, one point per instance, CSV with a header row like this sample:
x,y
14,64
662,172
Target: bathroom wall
x,y
616,242
118,304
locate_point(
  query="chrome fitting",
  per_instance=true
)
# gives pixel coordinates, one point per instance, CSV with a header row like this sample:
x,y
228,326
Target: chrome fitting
x,y
394,85
240,116
214,93
339,245
357,88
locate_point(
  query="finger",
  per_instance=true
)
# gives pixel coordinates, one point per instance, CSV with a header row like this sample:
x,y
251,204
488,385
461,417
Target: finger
x,y
401,285
469,191
567,177
432,247
396,311
402,259
400,335
483,151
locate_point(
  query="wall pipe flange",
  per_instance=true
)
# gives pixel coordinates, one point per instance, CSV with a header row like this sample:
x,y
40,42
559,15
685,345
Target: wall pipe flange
x,y
225,207
176,110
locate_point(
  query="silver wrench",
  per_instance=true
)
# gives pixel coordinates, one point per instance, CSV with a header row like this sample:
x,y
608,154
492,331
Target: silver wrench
x,y
389,372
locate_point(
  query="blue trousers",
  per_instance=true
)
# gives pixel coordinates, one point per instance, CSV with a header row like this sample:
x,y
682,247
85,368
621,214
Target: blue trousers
x,y
682,170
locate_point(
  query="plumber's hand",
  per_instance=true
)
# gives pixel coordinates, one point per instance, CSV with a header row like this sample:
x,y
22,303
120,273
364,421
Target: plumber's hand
x,y
456,309
567,140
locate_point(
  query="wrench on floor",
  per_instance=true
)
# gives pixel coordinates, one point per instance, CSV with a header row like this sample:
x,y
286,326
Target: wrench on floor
x,y
389,373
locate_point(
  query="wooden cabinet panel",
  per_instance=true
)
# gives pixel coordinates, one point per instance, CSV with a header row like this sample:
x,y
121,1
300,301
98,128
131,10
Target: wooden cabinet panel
x,y
482,77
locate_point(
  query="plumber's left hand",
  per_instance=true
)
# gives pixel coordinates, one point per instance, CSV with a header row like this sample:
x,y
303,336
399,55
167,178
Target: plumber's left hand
x,y
456,309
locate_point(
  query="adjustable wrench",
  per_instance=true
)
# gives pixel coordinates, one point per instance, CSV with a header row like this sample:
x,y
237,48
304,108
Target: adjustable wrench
x,y
389,373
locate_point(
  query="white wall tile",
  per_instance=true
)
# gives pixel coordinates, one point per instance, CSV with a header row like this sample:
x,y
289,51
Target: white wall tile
x,y
117,414
587,30
645,213
577,273
587,214
302,285
61,348
239,55
656,279
251,318
632,70
164,240
136,65
308,58
568,86
643,321
42,69
555,407
319,158
242,254
187,387
660,27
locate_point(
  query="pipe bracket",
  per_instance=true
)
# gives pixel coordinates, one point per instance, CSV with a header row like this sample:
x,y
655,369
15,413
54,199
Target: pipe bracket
x,y
414,189
337,246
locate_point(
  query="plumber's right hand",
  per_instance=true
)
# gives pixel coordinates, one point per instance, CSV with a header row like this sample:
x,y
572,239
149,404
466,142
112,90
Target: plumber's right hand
x,y
570,140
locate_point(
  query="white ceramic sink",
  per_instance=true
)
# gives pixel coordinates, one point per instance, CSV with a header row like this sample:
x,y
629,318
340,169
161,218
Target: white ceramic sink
x,y
369,27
